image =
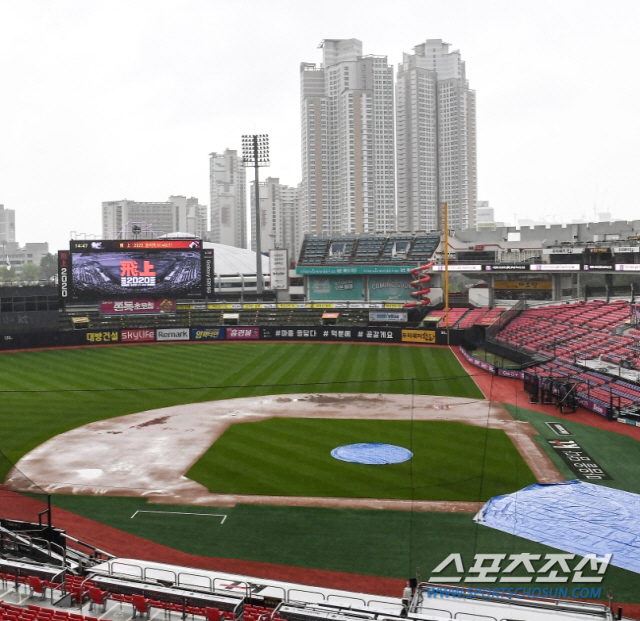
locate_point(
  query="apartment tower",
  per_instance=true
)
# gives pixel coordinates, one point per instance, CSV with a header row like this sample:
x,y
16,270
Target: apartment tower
x,y
347,141
228,199
436,140
281,222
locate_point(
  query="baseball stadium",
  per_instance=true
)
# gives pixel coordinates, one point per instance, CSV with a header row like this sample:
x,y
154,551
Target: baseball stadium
x,y
396,427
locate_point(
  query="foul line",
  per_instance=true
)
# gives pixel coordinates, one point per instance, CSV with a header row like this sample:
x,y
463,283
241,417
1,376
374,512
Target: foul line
x,y
222,515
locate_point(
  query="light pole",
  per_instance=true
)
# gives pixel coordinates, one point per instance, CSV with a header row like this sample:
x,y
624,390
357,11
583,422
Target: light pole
x,y
255,152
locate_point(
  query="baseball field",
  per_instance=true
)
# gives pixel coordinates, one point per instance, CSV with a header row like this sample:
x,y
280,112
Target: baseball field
x,y
47,394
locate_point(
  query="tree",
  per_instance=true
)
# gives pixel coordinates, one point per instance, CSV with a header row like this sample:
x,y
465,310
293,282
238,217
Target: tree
x,y
30,271
7,274
48,266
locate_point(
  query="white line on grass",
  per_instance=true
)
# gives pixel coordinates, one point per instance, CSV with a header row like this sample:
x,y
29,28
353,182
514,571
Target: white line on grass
x,y
221,515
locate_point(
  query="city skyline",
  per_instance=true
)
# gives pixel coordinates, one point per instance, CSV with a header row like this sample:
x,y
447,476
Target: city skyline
x,y
113,101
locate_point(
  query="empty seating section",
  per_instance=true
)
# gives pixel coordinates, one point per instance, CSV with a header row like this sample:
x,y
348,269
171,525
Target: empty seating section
x,y
463,318
573,331
567,333
471,317
314,251
397,249
482,315
258,613
368,249
77,591
423,247
447,317
9,612
341,251
451,318
593,386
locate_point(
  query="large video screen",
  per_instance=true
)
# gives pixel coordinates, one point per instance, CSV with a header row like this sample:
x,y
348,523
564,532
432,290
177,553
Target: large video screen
x,y
113,269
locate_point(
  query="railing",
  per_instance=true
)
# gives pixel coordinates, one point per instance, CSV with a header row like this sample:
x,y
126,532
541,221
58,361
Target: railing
x,y
96,551
505,318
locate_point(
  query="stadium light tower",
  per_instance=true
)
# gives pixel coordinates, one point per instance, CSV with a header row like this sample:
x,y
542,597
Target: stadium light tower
x,y
255,152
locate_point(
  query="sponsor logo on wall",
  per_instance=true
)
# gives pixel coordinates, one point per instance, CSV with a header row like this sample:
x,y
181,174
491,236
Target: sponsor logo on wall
x,y
106,336
172,334
397,317
139,336
207,334
418,336
243,334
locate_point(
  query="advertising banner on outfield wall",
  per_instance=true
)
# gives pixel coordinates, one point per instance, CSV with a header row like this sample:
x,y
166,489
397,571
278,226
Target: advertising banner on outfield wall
x,y
242,334
138,336
207,334
325,333
172,334
419,336
103,336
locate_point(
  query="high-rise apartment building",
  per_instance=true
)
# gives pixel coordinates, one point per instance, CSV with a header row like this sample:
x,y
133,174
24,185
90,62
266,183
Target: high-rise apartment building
x,y
178,214
281,222
436,140
7,225
228,199
347,141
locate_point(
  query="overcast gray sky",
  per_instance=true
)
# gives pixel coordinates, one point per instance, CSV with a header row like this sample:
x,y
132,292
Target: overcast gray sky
x,y
108,99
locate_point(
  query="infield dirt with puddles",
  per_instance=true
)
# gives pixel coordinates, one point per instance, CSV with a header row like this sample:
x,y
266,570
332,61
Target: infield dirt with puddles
x,y
147,454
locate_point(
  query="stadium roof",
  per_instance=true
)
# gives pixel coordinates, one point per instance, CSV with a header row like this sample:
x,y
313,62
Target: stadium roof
x,y
229,260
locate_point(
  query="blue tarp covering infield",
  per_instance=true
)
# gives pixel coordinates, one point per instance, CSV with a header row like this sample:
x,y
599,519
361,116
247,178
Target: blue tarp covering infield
x,y
578,517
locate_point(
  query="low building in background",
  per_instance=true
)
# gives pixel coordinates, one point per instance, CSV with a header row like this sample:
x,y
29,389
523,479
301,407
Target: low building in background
x,y
179,213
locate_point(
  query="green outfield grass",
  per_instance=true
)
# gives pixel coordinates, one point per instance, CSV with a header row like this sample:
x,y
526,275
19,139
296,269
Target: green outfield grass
x,y
616,453
45,393
292,457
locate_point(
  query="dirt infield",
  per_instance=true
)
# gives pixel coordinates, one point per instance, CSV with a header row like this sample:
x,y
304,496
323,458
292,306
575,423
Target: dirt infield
x,y
146,454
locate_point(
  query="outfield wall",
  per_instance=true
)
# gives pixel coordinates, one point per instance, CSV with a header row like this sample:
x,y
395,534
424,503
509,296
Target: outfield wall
x,y
359,334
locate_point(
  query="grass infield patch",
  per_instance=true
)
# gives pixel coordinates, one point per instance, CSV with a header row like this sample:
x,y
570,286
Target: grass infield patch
x,y
292,457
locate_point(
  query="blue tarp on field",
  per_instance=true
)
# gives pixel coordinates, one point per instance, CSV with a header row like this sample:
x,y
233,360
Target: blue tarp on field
x,y
372,453
578,517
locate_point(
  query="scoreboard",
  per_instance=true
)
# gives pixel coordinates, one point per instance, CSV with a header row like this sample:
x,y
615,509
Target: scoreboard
x,y
94,270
